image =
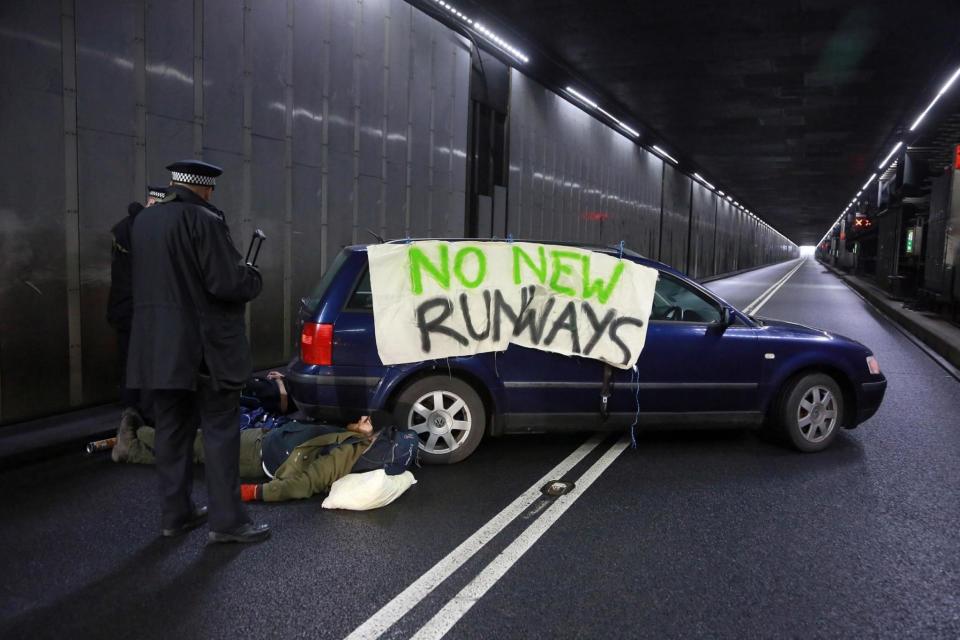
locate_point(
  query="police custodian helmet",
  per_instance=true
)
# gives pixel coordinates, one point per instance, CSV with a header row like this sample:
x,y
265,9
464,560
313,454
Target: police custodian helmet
x,y
194,172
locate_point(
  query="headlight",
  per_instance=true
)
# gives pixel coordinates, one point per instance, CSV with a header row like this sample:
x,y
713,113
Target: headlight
x,y
873,365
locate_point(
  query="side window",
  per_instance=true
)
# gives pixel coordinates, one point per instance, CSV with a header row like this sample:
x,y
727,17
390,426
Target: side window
x,y
674,301
362,297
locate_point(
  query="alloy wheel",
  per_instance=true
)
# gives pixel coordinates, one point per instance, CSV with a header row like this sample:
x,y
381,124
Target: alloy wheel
x,y
817,414
441,419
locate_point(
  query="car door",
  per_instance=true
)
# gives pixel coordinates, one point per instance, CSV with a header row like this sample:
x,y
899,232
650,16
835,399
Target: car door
x,y
691,362
546,389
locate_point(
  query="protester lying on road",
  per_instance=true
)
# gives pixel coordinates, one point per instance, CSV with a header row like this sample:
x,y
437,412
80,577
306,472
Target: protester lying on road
x,y
299,460
263,403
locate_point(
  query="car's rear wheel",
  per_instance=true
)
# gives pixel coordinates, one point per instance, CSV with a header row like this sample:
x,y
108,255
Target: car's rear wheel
x,y
447,414
811,412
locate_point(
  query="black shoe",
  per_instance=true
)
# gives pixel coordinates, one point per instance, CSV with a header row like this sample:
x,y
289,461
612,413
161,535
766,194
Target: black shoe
x,y
249,532
197,518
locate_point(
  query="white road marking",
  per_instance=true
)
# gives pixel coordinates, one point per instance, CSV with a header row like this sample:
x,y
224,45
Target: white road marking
x,y
407,599
451,613
756,305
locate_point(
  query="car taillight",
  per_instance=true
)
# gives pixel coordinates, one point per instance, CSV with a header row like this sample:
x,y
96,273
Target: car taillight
x,y
873,365
316,343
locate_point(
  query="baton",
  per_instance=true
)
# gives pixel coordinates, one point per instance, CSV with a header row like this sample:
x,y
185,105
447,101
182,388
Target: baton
x,y
256,239
101,445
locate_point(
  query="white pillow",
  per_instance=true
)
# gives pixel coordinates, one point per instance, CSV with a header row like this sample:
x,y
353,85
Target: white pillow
x,y
367,490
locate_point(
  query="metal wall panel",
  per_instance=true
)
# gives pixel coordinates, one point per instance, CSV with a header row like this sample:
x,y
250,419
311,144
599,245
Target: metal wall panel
x,y
675,228
223,75
574,178
308,106
703,215
33,288
169,60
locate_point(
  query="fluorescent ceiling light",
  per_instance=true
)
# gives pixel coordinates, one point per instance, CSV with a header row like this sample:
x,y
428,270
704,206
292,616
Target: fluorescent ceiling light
x,y
497,40
720,193
729,199
703,180
946,86
582,98
867,183
632,132
890,155
665,154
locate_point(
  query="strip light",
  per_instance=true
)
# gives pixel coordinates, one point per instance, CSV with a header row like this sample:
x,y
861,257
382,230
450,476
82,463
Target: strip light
x,y
890,155
703,180
666,155
502,44
582,98
867,183
633,133
946,87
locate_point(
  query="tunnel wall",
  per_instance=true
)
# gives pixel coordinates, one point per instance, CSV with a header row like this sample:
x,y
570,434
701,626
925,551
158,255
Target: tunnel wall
x,y
574,178
330,118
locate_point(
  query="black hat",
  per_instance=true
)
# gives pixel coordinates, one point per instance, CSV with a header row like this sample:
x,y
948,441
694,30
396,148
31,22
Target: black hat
x,y
382,419
157,192
194,172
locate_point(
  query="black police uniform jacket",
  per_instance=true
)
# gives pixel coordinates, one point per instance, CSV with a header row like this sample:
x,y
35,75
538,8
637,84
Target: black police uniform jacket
x,y
190,288
120,300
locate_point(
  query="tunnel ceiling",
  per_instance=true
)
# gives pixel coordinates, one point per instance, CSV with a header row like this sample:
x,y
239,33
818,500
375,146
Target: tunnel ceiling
x,y
788,105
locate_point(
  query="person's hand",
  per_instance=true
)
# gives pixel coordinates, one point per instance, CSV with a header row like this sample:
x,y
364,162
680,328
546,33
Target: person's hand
x,y
275,375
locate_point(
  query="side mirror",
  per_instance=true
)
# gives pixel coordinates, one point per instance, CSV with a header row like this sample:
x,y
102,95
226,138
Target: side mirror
x,y
727,316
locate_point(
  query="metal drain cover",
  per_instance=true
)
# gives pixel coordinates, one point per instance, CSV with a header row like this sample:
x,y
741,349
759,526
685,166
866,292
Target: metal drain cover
x,y
556,488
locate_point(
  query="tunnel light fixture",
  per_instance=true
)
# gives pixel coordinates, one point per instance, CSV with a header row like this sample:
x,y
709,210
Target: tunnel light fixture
x,y
720,193
946,87
500,42
867,183
890,155
582,98
633,132
704,181
729,199
487,34
664,154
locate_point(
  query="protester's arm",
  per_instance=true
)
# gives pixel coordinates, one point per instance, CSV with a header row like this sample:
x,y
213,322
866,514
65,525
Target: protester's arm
x,y
224,275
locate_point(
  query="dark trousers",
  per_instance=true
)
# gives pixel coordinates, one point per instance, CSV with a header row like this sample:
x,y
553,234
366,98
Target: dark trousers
x,y
178,414
128,397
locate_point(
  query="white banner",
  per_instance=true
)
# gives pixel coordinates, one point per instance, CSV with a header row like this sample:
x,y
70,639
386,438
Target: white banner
x,y
436,299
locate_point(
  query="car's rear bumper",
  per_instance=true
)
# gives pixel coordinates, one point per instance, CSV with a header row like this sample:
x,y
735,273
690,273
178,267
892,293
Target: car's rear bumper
x,y
332,393
870,397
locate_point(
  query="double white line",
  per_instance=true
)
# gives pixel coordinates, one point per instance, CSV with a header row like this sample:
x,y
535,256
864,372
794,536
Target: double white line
x,y
755,306
448,616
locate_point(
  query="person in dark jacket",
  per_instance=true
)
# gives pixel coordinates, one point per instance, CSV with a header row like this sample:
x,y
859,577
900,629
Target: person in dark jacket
x,y
188,345
120,305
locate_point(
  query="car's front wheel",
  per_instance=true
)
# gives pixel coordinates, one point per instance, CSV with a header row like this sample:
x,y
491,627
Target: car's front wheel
x,y
811,411
446,413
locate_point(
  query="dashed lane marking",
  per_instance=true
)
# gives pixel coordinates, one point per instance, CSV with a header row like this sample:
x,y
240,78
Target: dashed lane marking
x,y
451,613
407,599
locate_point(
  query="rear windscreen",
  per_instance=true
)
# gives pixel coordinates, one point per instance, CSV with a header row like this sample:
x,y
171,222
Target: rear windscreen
x,y
311,301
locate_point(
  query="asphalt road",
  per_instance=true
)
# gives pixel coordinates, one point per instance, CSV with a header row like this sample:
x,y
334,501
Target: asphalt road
x,y
693,534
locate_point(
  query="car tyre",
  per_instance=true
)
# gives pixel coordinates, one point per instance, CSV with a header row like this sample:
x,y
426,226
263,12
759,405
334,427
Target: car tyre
x,y
811,412
447,414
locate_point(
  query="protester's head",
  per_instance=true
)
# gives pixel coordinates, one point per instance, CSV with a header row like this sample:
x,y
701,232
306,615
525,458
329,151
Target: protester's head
x,y
196,175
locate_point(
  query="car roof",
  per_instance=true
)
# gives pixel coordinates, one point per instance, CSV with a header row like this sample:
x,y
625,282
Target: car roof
x,y
607,249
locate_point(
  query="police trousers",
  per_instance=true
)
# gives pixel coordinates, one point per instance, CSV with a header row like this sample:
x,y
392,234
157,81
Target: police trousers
x,y
178,415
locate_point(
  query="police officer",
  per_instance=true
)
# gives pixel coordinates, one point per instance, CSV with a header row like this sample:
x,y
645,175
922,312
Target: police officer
x,y
120,312
188,346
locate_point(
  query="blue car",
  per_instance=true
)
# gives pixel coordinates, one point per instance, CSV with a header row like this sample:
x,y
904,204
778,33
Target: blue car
x,y
704,364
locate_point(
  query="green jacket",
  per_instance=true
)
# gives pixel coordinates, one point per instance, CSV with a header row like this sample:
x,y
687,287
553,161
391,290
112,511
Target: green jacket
x,y
307,471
